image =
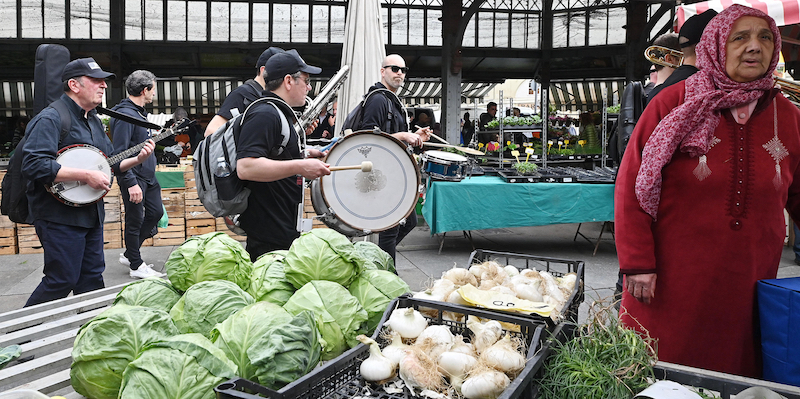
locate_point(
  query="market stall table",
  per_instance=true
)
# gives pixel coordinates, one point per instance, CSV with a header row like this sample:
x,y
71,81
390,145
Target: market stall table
x,y
488,202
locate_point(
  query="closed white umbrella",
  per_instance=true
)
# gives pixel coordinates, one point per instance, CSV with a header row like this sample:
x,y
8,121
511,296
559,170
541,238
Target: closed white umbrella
x,y
363,51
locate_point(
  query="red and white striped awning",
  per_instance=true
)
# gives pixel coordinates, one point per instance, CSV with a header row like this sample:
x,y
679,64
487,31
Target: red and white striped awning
x,y
784,12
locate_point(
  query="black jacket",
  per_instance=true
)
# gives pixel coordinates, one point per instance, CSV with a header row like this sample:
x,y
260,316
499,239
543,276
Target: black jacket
x,y
384,111
125,135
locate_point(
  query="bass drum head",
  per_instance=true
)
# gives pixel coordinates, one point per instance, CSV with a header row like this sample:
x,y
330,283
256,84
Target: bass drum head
x,y
359,203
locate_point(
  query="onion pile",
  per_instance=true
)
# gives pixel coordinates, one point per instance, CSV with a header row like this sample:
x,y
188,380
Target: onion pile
x,y
433,359
527,284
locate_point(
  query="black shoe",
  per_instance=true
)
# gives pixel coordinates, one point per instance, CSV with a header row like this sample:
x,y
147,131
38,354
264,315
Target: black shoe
x,y
617,298
797,261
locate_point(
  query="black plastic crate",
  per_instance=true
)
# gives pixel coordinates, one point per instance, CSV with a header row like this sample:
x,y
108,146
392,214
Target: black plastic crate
x,y
512,176
340,378
556,267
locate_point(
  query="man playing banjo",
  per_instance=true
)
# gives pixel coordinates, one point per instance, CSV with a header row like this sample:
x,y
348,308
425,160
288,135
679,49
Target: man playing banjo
x,y
71,237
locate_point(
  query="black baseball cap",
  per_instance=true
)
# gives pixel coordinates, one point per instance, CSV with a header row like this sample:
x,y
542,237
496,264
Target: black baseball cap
x,y
84,67
262,59
287,63
692,29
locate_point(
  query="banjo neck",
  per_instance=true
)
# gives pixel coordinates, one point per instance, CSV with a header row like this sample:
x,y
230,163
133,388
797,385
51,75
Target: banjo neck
x,y
166,132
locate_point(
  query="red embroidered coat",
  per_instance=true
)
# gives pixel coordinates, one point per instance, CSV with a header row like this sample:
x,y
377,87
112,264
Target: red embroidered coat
x,y
713,239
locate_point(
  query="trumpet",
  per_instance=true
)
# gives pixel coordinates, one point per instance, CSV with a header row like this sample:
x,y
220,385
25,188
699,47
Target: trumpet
x,y
789,88
658,55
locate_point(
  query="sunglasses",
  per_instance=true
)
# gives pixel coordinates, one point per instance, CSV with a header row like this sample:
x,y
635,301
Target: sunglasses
x,y
396,68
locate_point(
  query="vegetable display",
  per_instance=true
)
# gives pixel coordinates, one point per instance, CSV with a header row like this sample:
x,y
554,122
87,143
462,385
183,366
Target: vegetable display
x,y
374,290
339,315
105,345
322,254
375,256
186,366
207,257
207,303
151,293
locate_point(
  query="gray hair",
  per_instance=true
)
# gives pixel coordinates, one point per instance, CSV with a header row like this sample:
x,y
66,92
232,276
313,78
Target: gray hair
x,y
139,80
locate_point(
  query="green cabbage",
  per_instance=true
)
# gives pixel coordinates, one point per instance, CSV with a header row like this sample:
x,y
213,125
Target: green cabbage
x,y
374,289
237,333
105,345
212,256
322,254
207,303
185,366
288,352
8,354
340,317
372,253
153,293
269,280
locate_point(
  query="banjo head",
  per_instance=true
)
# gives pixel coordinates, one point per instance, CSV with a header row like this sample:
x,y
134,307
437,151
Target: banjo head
x,y
358,202
83,157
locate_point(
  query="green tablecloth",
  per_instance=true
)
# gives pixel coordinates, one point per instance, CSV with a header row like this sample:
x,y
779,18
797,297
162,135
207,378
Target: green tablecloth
x,y
170,179
488,202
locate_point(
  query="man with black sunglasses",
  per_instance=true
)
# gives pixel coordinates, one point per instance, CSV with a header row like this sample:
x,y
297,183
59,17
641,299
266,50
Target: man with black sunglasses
x,y
387,113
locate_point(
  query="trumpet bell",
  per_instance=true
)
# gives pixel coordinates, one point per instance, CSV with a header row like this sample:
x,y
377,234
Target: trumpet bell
x,y
658,55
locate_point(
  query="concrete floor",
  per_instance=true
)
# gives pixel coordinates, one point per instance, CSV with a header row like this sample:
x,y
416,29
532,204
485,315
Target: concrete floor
x,y
418,259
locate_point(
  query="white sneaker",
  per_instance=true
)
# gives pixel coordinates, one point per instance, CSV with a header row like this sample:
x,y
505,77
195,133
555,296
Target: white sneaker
x,y
145,271
124,260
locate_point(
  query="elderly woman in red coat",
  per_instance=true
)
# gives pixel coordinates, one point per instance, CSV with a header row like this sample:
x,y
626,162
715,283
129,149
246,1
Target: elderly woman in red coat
x,y
700,196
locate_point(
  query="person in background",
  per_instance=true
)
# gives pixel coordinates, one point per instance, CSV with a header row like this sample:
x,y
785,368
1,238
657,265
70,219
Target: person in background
x,y
670,41
191,136
690,34
467,129
488,116
273,176
327,122
421,119
515,112
653,81
19,131
700,197
386,112
141,193
71,237
236,102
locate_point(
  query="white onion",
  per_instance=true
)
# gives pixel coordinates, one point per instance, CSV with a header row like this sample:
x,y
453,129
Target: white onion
x,y
455,366
376,368
504,356
460,276
551,288
462,347
435,340
457,299
485,384
503,290
418,370
408,322
485,335
511,270
528,292
396,350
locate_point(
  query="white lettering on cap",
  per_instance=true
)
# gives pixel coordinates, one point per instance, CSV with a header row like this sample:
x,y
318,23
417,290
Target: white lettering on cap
x,y
93,65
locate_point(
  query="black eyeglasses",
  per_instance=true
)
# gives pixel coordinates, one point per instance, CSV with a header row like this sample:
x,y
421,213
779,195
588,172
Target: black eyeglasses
x,y
396,68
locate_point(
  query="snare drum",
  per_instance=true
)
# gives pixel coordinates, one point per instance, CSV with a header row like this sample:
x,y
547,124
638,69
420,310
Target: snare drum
x,y
357,203
442,165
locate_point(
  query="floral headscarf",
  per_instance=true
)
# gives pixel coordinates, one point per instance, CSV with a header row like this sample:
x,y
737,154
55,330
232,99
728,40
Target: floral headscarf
x,y
691,125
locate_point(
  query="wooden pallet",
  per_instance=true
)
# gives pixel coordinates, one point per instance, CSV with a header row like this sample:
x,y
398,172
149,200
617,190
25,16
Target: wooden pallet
x,y
196,227
174,234
46,333
27,240
112,235
173,202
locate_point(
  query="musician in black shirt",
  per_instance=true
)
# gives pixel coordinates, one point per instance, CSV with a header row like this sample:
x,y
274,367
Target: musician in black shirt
x,y
71,237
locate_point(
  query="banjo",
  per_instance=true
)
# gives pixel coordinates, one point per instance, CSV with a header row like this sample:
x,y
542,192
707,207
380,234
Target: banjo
x,y
87,157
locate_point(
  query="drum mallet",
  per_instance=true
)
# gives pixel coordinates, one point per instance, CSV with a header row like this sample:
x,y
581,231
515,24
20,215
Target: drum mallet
x,y
365,166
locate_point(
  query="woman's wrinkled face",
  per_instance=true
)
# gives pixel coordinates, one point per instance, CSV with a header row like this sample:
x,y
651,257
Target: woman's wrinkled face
x,y
749,49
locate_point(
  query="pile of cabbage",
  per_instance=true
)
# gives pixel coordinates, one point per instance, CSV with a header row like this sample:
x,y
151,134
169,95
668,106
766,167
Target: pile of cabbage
x,y
221,316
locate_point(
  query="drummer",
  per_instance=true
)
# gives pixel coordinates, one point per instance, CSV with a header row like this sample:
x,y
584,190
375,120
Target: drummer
x,y
387,113
270,166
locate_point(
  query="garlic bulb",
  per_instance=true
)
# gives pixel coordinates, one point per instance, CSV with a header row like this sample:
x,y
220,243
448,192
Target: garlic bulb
x,y
396,350
455,366
376,368
462,347
485,335
504,356
460,276
408,322
511,271
528,292
503,290
435,340
418,370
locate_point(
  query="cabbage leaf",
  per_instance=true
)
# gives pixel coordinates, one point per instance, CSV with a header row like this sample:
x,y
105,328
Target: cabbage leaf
x,y
207,257
288,352
151,292
322,254
375,289
374,255
269,279
207,303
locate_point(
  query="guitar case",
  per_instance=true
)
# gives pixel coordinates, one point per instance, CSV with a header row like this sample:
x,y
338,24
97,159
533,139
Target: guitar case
x,y
48,86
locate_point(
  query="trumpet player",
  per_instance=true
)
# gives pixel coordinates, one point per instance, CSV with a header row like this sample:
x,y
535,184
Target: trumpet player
x,y
270,163
689,36
670,41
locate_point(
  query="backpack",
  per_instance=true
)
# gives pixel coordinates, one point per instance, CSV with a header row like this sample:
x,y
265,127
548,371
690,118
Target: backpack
x,y
354,118
224,196
631,108
48,88
14,202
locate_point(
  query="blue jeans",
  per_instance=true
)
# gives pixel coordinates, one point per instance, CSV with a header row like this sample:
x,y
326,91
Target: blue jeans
x,y
140,220
73,261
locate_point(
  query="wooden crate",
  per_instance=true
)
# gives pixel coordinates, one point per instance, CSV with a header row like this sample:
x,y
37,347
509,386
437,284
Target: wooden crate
x,y
27,240
308,211
196,210
8,240
5,222
174,234
188,177
112,235
114,208
173,202
196,227
191,193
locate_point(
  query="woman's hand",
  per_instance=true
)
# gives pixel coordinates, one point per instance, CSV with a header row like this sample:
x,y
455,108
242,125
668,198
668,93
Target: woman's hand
x,y
641,286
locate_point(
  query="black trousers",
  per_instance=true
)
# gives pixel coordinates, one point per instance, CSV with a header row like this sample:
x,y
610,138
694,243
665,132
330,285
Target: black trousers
x,y
141,220
388,240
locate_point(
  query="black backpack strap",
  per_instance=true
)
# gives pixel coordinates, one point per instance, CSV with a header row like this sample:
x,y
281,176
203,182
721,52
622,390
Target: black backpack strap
x,y
66,119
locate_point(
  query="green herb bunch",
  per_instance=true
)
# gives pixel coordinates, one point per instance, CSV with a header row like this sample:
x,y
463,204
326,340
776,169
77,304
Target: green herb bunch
x,y
525,168
604,360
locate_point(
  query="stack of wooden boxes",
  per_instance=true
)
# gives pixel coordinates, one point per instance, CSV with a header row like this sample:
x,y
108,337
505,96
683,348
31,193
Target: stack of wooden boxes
x,y
112,227
8,230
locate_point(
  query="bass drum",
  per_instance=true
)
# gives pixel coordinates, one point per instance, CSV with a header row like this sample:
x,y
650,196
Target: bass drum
x,y
357,203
